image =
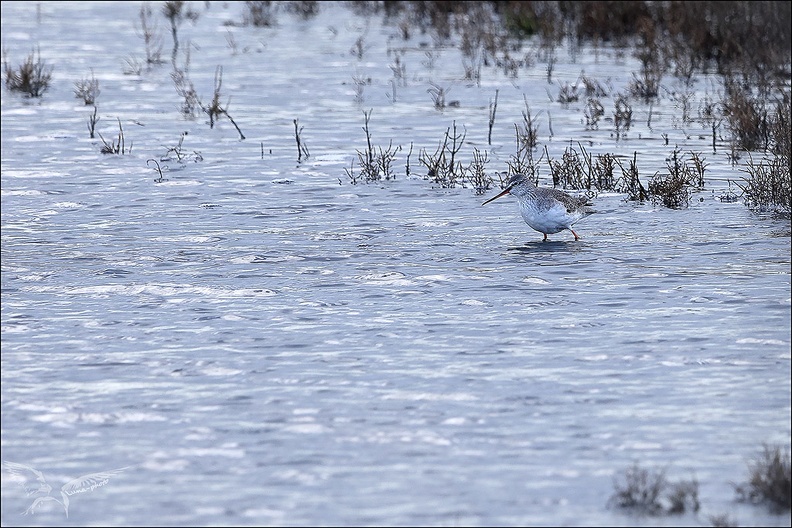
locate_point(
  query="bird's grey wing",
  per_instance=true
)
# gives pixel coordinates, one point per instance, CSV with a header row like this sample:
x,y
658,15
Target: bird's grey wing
x,y
26,473
90,481
571,202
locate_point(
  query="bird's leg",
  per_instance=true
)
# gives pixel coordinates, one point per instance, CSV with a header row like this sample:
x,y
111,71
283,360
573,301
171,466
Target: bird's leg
x,y
545,237
576,237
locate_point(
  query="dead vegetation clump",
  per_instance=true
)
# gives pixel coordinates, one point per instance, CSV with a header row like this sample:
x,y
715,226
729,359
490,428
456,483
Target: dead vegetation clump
x,y
746,118
675,188
149,32
302,147
649,492
781,127
117,145
305,9
31,78
443,165
751,40
259,13
374,164
769,480
768,187
215,109
622,115
629,183
184,87
179,154
176,12
87,89
583,170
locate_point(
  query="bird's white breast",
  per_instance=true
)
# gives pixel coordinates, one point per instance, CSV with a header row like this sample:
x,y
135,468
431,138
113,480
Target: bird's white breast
x,y
549,220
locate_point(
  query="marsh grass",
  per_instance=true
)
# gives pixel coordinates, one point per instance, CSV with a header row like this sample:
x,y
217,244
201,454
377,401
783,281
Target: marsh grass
x,y
649,492
493,108
592,87
374,163
582,170
304,9
710,115
683,497
722,521
160,178
768,480
670,190
302,148
526,136
593,112
214,109
443,166
133,66
87,89
259,13
622,115
674,188
438,94
184,87
176,12
476,173
360,84
768,187
92,120
179,154
118,145
746,118
781,127
567,93
750,49
31,78
629,183
148,30
570,171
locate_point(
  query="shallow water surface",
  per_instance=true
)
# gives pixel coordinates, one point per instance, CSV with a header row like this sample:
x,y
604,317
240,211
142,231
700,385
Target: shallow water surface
x,y
259,342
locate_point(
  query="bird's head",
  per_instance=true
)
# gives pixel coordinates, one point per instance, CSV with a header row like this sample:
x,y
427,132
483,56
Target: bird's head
x,y
518,185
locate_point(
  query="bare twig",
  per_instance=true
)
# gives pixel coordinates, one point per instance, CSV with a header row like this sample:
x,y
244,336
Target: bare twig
x,y
493,108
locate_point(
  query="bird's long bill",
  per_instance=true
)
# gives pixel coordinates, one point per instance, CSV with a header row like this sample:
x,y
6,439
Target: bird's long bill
x,y
504,192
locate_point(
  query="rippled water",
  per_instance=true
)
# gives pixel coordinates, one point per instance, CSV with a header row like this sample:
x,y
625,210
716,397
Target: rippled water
x,y
256,341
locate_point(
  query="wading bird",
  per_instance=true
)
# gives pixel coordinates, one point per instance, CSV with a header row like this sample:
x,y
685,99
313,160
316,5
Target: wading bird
x,y
545,210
